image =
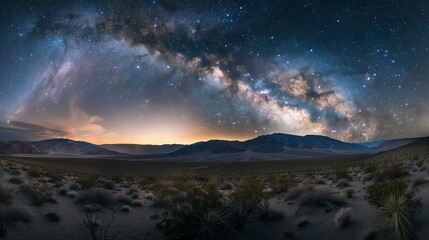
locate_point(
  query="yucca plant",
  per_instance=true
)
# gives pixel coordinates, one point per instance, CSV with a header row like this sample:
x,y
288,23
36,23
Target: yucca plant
x,y
398,208
212,225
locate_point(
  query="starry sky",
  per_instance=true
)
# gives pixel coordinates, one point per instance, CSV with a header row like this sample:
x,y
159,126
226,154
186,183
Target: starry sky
x,y
165,71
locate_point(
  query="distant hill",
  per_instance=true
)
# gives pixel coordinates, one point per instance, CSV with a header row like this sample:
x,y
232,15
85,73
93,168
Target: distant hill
x,y
274,146
137,149
17,147
274,143
415,150
67,146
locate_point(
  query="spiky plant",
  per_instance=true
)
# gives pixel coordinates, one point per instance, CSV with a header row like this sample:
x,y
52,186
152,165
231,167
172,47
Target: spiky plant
x,y
398,208
212,225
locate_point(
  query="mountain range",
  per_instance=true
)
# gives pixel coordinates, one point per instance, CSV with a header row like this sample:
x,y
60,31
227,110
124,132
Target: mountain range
x,y
273,146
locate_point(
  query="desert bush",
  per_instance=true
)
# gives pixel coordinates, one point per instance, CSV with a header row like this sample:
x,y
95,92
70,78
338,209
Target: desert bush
x,y
15,180
86,180
399,209
246,200
72,194
192,210
343,217
302,223
281,183
62,191
397,203
97,196
53,217
35,172
125,208
99,227
132,191
391,172
9,216
137,203
144,182
55,175
123,199
6,195
377,193
116,178
342,183
74,186
107,184
212,225
341,173
313,197
38,192
420,163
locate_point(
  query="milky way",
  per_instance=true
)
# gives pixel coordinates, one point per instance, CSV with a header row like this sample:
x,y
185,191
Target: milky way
x,y
185,71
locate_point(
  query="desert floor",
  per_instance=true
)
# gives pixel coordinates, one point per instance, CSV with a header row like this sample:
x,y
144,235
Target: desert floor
x,y
130,193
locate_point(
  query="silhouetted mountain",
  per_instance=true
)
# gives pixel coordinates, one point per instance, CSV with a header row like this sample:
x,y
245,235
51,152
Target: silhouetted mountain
x,y
137,149
286,143
17,147
385,145
278,144
212,146
417,149
67,146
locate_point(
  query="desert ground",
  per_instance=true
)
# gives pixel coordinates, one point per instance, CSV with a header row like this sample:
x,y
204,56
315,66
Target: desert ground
x,y
344,198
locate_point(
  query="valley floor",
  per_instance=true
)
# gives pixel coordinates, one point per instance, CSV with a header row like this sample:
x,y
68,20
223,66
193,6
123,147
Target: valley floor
x,y
130,197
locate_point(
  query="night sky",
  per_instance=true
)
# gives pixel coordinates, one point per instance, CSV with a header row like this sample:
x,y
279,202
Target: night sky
x,y
185,71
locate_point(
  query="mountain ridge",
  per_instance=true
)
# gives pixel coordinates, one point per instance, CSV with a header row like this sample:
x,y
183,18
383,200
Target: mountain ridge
x,y
276,143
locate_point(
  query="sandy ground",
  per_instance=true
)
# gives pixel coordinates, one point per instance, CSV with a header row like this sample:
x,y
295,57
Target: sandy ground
x,y
137,224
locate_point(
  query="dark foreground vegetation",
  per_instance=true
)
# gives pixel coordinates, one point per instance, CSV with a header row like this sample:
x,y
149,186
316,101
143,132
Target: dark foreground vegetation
x,y
373,198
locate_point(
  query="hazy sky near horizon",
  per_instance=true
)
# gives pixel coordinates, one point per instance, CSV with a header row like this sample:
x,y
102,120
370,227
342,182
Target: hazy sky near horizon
x,y
185,71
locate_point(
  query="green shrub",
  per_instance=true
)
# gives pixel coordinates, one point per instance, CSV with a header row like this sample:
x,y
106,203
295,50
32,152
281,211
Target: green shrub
x,y
212,225
246,200
377,193
144,182
6,195
302,223
86,180
108,184
55,175
314,197
281,183
38,192
98,196
390,172
420,163
192,211
35,172
341,173
397,203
